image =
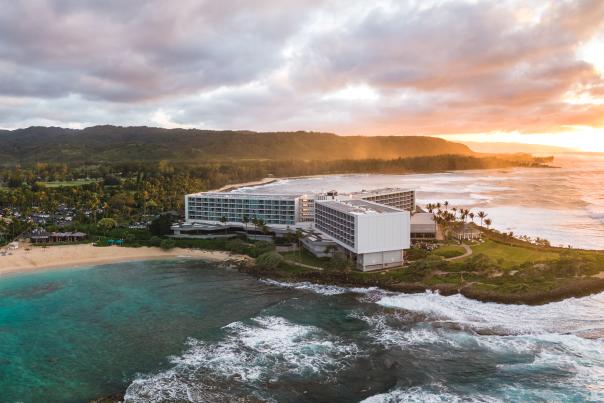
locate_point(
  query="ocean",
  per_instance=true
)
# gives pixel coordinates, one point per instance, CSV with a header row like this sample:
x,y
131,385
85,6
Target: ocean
x,y
189,331
564,205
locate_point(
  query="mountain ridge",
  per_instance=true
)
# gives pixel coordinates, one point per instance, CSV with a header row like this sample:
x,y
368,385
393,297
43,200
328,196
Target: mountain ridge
x,y
108,143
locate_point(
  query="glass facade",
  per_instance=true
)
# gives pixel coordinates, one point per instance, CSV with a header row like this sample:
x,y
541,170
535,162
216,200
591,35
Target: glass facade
x,y
336,224
404,200
235,207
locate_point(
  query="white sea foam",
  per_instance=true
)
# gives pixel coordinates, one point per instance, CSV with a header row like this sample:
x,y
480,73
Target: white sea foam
x,y
570,315
320,288
265,348
417,394
579,361
384,334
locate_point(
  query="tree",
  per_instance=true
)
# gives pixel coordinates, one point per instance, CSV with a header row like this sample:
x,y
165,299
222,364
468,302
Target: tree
x,y
161,225
122,202
482,215
224,220
488,222
111,180
299,236
106,224
246,221
471,215
446,205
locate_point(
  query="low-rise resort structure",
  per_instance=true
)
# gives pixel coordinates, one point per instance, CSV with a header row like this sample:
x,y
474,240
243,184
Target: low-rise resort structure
x,y
38,236
373,228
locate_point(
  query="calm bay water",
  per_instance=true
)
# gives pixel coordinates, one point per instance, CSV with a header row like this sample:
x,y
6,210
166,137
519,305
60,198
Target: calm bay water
x,y
564,205
190,331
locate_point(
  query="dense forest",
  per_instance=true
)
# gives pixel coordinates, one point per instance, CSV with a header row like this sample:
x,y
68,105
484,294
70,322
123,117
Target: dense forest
x,y
119,144
129,190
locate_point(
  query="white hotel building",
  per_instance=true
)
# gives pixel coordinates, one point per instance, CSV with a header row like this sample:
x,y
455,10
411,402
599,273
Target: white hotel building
x,y
373,227
214,207
375,234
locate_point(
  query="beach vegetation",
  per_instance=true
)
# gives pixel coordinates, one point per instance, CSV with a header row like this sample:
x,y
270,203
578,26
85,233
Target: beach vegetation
x,y
269,260
167,244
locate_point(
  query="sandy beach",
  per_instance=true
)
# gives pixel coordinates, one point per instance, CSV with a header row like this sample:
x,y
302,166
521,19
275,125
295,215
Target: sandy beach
x,y
44,258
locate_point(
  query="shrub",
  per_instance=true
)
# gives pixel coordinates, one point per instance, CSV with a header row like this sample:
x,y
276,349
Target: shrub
x,y
416,254
167,244
155,241
236,245
262,247
339,261
269,260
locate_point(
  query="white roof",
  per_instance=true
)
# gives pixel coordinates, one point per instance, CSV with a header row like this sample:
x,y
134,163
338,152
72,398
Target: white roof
x,y
359,207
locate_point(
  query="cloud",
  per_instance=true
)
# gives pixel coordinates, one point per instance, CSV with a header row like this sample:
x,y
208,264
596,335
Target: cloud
x,y
384,67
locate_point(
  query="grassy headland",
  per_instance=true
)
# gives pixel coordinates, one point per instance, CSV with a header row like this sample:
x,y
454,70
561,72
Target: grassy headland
x,y
496,271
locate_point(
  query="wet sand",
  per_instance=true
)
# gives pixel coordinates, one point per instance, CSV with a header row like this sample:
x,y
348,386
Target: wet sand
x,y
38,258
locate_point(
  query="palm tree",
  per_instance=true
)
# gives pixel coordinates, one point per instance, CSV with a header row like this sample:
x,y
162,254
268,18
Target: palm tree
x,y
224,220
262,225
482,215
299,235
464,214
430,207
446,205
488,222
246,221
471,215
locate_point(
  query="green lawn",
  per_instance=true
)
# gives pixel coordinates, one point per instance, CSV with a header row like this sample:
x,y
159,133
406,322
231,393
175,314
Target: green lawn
x,y
508,256
448,251
306,258
77,182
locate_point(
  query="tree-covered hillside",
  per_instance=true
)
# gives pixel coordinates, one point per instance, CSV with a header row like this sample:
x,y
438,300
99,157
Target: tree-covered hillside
x,y
118,144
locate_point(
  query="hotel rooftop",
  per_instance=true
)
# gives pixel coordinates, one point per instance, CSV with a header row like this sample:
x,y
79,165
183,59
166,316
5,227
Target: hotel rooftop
x,y
359,207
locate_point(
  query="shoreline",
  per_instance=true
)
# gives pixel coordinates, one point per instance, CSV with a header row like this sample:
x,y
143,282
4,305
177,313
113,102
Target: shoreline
x,y
577,289
59,257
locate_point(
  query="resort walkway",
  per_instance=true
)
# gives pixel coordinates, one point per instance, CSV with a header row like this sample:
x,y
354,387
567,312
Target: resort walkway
x,y
468,253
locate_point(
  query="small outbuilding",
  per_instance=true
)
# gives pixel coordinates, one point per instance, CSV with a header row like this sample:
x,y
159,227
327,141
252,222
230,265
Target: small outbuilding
x,y
466,232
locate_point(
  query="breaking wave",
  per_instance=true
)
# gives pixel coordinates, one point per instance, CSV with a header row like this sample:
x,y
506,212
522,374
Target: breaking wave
x,y
571,315
436,348
251,354
321,288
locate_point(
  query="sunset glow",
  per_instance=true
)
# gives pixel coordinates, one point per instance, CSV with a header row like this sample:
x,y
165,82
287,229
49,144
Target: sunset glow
x,y
512,71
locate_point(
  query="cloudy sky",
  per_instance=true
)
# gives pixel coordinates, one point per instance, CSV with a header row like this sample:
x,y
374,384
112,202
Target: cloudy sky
x,y
517,70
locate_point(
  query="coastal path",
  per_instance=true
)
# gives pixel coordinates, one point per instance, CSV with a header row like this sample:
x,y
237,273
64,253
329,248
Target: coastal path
x,y
468,253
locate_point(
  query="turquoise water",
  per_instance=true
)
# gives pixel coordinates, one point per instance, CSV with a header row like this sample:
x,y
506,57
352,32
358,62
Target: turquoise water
x,y
78,334
190,331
